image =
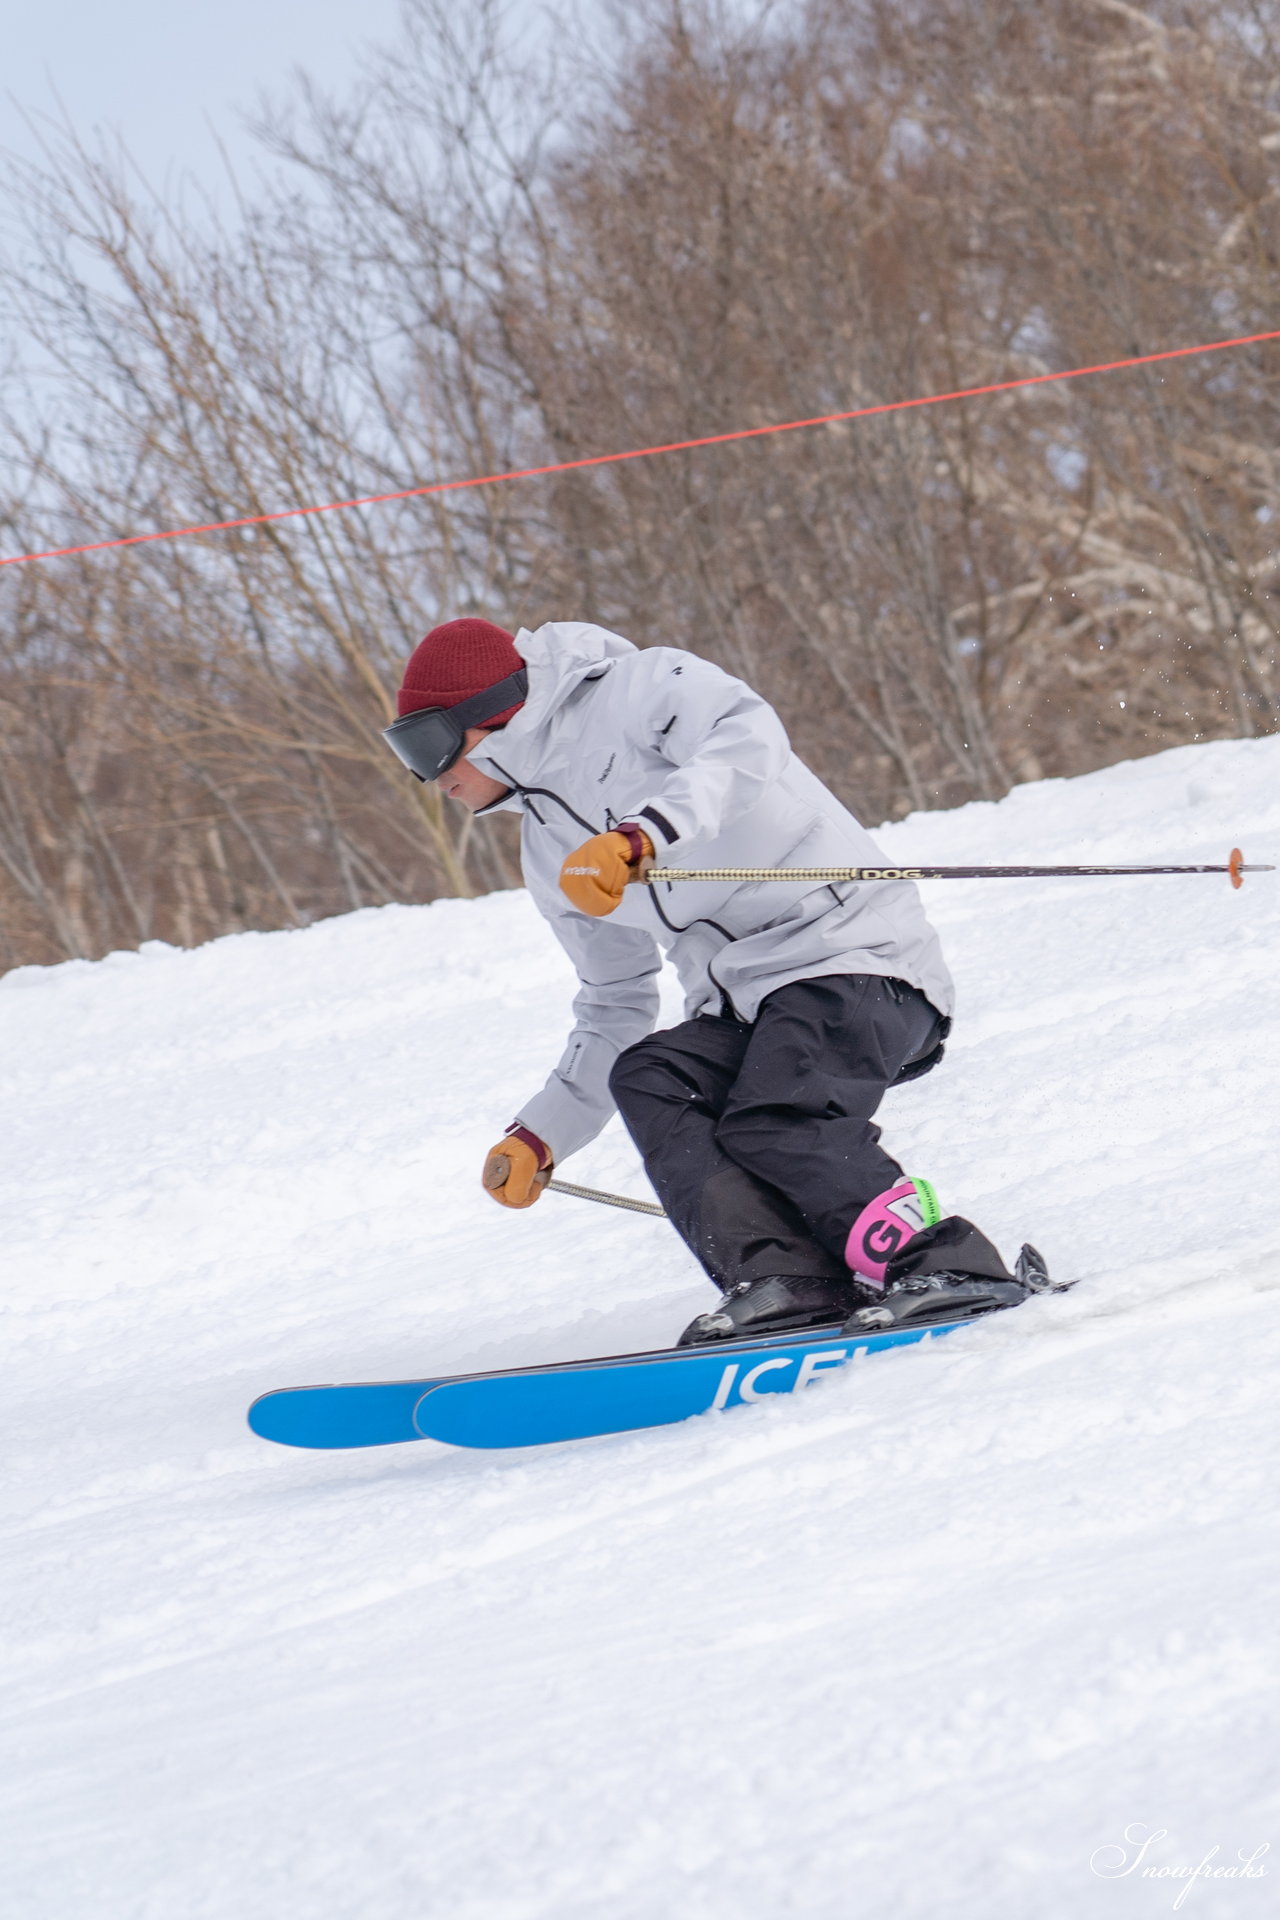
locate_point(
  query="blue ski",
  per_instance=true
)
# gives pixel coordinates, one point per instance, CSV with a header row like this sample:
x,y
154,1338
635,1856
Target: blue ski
x,y
569,1400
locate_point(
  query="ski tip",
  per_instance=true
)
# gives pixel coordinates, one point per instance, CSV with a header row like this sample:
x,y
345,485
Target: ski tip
x,y
364,1414
276,1416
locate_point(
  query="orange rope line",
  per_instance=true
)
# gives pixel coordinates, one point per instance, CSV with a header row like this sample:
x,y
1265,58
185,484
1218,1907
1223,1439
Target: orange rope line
x,y
642,453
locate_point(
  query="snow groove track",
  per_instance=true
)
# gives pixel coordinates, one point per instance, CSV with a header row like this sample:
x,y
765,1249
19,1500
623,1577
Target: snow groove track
x,y
918,1643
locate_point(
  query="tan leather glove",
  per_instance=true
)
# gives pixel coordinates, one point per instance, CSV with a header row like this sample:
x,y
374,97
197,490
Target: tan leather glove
x,y
517,1169
593,877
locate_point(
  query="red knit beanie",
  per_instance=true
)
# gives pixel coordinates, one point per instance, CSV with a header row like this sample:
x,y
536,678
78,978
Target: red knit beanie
x,y
456,660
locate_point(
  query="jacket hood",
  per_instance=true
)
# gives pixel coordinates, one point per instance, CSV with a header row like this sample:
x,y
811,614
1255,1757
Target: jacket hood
x,y
559,656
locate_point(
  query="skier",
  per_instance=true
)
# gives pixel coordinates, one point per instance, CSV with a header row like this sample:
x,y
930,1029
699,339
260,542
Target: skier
x,y
803,1003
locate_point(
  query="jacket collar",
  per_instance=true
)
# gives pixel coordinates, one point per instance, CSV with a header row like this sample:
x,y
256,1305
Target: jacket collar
x,y
561,656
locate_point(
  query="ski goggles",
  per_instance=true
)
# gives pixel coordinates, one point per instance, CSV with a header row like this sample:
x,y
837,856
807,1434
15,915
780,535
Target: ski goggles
x,y
429,741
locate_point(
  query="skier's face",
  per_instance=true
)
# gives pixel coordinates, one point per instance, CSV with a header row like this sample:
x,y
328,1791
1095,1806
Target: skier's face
x,y
466,784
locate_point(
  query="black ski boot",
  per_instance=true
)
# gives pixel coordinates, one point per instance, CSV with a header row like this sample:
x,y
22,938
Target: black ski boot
x,y
774,1303
952,1272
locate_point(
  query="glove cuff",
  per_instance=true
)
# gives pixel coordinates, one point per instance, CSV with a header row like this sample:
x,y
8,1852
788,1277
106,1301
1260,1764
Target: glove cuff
x,y
637,839
538,1147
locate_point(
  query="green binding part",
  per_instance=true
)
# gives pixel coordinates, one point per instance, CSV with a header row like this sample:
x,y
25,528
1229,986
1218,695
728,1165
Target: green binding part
x,y
929,1207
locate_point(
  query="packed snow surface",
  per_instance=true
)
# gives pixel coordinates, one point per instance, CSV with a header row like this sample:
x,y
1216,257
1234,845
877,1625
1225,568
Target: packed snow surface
x,y
929,1640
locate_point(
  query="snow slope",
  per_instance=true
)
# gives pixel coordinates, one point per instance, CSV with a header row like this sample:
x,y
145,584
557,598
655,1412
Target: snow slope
x,y
925,1641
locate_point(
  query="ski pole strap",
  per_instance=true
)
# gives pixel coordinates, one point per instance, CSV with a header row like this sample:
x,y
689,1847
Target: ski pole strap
x,y
607,1199
818,876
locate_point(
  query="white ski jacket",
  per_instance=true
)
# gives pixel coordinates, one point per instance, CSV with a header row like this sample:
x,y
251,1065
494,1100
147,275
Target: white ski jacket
x,y
610,732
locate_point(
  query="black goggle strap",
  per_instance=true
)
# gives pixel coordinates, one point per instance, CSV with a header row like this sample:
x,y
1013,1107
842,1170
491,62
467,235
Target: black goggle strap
x,y
490,700
468,713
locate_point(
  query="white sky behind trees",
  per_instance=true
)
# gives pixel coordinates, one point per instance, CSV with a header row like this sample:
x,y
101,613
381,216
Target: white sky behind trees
x,y
173,79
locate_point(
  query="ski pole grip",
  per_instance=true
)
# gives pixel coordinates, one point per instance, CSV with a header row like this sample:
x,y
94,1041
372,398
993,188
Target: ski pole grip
x,y
497,1171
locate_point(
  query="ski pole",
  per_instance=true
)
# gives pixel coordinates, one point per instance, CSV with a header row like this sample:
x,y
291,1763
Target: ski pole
x,y
607,1199
1235,866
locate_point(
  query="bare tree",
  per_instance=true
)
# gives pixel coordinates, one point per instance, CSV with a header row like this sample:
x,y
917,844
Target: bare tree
x,y
712,216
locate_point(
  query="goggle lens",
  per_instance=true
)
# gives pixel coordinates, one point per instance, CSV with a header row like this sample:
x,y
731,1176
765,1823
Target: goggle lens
x,y
427,742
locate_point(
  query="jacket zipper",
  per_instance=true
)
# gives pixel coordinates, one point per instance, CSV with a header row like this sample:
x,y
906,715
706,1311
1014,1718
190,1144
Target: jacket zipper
x,y
700,920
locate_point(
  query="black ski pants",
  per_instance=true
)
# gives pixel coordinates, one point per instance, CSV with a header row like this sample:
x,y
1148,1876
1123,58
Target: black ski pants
x,y
758,1136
